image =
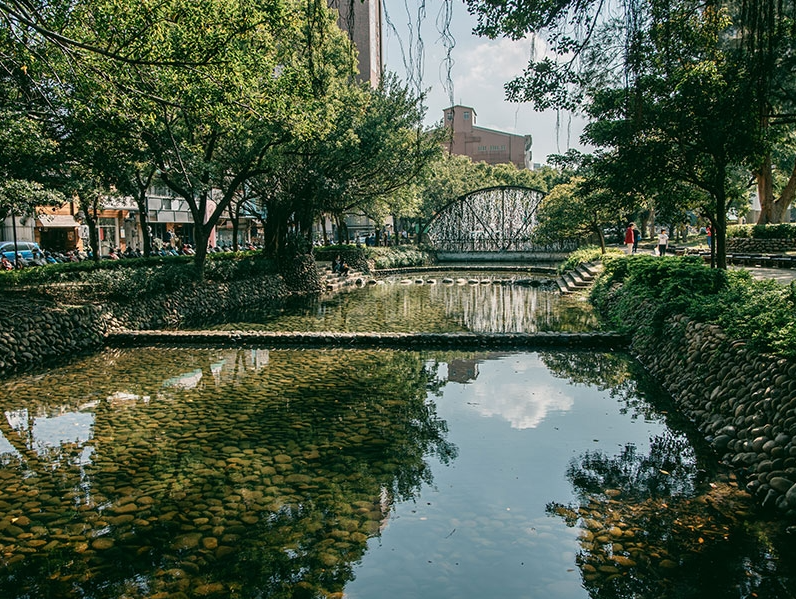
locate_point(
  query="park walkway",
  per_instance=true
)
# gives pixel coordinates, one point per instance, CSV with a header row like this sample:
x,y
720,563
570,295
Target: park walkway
x,y
781,275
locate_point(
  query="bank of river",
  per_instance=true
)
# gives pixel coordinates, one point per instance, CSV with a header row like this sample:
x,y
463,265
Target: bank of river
x,y
254,472
744,404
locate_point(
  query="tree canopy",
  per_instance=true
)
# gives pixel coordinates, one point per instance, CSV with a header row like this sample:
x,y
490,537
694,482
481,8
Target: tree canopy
x,y
682,95
211,99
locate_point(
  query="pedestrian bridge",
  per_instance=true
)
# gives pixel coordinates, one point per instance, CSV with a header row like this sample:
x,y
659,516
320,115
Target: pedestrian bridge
x,y
493,219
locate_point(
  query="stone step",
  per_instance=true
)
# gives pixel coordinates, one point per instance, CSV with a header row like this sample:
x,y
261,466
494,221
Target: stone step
x,y
578,279
574,281
592,268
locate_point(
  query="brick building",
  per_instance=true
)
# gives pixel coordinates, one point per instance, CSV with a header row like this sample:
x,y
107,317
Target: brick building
x,y
485,145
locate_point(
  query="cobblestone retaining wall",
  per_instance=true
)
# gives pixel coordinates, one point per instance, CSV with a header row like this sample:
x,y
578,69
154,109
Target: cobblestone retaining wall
x,y
744,403
42,334
760,246
37,332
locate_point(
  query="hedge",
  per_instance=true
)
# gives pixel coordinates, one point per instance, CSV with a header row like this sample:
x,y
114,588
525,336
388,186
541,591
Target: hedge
x,y
762,313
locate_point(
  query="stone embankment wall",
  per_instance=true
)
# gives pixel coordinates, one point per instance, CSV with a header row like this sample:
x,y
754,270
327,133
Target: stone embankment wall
x,y
41,333
744,403
36,332
737,245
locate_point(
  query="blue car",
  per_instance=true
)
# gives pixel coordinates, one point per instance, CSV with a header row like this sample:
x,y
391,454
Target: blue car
x,y
28,250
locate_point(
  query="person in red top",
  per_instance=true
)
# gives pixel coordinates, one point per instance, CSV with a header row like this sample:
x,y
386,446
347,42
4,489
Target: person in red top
x,y
629,238
710,236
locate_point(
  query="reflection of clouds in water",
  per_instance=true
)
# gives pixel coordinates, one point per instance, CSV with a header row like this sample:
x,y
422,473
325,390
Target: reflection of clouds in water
x,y
522,406
49,431
187,380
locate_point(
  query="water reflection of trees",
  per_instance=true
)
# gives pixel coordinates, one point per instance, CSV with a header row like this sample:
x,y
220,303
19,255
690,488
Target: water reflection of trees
x,y
263,477
653,524
428,307
624,379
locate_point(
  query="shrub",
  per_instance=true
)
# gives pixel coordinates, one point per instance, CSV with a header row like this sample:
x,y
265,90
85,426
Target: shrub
x,y
366,258
356,256
587,254
779,231
401,256
642,291
133,277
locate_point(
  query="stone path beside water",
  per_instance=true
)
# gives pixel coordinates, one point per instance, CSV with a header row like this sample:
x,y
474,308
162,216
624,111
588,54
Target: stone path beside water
x,y
781,275
588,340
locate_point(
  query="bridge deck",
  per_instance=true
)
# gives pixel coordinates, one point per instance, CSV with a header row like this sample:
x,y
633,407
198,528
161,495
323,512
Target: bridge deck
x,y
465,341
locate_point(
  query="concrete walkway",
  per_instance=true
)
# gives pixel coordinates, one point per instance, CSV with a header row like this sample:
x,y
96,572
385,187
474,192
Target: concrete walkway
x,y
781,275
589,340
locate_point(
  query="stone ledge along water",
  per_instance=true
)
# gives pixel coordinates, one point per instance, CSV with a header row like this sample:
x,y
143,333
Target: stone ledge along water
x,y
589,340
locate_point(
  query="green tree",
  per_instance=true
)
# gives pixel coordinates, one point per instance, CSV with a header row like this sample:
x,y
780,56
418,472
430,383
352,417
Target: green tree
x,y
673,81
373,150
576,210
687,120
21,198
764,38
211,128
27,145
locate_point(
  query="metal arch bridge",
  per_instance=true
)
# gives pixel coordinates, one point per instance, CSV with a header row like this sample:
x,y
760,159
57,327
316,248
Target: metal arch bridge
x,y
493,219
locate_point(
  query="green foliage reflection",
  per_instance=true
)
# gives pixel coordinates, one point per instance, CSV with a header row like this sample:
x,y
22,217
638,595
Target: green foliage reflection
x,y
658,523
242,473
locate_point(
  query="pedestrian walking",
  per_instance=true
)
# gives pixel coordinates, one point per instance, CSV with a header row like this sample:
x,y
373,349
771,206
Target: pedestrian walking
x,y
663,242
629,238
636,238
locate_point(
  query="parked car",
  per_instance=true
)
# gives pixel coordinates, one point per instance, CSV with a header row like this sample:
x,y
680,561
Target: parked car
x,y
28,250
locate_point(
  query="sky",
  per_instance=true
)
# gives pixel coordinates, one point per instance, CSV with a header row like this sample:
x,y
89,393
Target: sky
x,y
480,69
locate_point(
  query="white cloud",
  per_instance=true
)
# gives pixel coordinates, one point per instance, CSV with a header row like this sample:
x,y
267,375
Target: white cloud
x,y
522,406
480,69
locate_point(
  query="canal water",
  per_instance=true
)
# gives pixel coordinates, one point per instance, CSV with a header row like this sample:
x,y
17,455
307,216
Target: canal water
x,y
436,302
176,473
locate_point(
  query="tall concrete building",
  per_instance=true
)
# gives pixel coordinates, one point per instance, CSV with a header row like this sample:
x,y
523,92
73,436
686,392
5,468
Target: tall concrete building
x,y
485,145
361,19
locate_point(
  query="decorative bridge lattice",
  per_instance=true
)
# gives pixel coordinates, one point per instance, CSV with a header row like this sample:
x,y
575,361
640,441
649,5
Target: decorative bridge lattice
x,y
495,219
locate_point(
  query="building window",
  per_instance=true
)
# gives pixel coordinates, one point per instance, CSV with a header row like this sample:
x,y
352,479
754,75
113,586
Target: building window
x,y
466,115
449,114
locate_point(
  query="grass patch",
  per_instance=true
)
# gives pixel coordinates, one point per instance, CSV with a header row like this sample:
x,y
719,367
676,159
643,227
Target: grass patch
x,y
587,254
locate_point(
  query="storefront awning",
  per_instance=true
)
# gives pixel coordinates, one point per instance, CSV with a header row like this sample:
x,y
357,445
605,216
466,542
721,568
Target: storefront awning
x,y
57,220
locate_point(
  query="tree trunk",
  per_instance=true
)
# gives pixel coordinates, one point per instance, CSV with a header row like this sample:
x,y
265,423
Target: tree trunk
x,y
772,210
785,199
93,237
201,236
141,200
142,219
14,235
235,227
599,231
275,229
765,191
720,230
323,230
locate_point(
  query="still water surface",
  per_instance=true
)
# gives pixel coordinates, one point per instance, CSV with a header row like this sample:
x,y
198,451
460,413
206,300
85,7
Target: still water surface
x,y
423,302
253,473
